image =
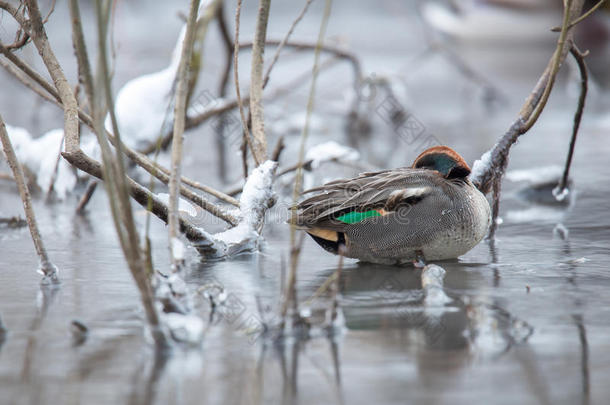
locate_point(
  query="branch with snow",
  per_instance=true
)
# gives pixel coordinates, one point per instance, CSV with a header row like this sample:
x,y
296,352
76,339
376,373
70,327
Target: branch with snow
x,y
488,171
257,197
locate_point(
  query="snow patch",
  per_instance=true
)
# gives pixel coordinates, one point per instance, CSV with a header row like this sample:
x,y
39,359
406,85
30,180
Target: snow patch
x,y
183,205
536,214
328,151
144,106
296,122
481,166
432,282
536,175
39,157
184,328
257,196
178,249
561,194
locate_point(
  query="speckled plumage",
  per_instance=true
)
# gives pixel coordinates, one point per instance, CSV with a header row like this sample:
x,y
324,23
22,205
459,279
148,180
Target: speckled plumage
x,y
439,214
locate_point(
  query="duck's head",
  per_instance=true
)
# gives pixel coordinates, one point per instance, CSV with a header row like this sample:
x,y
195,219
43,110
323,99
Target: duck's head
x,y
444,160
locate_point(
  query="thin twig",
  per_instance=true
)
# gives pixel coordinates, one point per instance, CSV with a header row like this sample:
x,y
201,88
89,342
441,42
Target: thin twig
x,y
27,81
587,14
55,170
179,120
294,247
558,57
277,151
48,269
80,49
115,165
280,46
584,79
25,68
488,172
160,172
259,138
73,152
334,310
240,101
80,208
118,188
51,10
198,119
312,46
222,90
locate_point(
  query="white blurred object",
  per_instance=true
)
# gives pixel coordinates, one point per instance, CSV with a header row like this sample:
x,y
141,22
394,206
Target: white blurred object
x,y
294,123
143,105
185,328
432,278
40,155
536,175
328,151
476,21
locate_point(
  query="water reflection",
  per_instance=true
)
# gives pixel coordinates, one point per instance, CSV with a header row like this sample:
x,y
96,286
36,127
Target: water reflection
x,y
3,333
578,319
44,299
146,380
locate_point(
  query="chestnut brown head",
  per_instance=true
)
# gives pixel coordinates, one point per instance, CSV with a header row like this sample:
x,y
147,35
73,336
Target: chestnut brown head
x,y
444,160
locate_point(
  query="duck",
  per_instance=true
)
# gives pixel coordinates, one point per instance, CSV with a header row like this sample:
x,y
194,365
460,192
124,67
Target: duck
x,y
428,211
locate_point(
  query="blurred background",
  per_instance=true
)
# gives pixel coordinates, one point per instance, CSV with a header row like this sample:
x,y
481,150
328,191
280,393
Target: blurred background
x,y
529,323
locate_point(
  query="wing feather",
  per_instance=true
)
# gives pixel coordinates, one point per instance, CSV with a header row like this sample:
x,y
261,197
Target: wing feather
x,y
385,190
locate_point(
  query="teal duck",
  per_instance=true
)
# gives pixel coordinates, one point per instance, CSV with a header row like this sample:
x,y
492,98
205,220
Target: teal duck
x,y
429,211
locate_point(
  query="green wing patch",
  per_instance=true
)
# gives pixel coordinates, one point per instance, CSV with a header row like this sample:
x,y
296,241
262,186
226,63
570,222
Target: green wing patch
x,y
355,217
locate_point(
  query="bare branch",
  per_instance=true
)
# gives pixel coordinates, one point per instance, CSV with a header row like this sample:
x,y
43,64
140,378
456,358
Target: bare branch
x,y
179,118
280,46
48,269
161,173
295,247
587,14
488,171
498,156
239,100
222,90
259,139
80,208
25,68
80,49
584,79
27,81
